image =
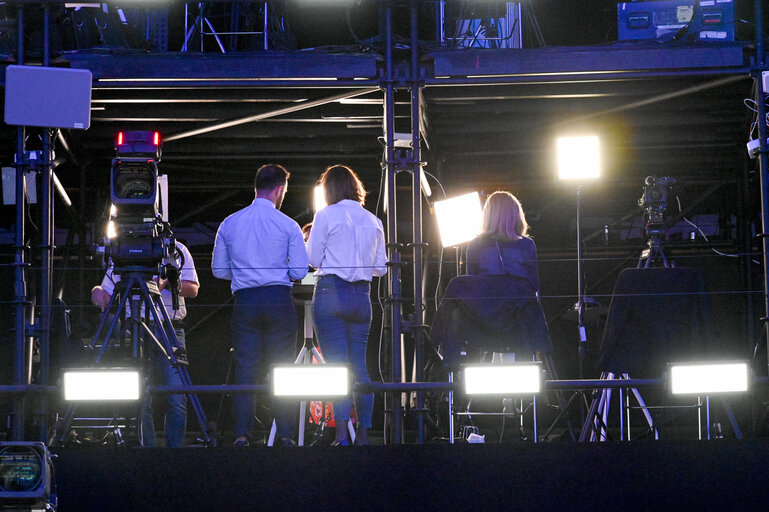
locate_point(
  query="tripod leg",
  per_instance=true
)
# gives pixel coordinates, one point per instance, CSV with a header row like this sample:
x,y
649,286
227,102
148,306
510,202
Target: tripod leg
x,y
111,328
318,355
273,433
588,426
64,424
605,414
351,430
169,342
646,413
227,380
563,405
732,419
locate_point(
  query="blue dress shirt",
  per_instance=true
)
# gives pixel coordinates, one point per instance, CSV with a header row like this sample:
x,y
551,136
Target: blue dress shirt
x,y
259,246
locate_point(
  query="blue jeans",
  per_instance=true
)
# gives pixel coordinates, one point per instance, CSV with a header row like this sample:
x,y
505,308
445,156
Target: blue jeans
x,y
264,328
342,314
163,373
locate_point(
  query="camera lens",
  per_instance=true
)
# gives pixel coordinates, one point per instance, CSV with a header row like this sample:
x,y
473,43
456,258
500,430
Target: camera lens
x,y
134,181
654,194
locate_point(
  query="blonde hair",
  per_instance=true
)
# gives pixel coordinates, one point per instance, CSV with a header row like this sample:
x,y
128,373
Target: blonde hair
x,y
503,217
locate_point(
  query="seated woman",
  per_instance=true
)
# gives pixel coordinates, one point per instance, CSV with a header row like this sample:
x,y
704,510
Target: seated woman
x,y
496,307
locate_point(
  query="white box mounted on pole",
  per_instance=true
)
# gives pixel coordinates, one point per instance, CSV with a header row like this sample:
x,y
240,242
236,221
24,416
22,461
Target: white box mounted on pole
x,y
48,97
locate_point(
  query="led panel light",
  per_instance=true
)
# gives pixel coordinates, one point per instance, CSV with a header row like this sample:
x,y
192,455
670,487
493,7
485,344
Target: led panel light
x,y
310,381
708,378
459,218
578,158
503,379
102,384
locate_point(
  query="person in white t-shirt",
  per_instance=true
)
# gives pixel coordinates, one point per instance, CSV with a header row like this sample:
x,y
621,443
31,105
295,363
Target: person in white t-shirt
x,y
161,369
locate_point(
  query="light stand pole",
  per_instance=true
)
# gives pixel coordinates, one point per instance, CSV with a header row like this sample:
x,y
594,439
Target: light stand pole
x,y
579,160
580,305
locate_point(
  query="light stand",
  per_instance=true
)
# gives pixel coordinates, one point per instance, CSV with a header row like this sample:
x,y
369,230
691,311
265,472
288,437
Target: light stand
x,y
580,305
578,159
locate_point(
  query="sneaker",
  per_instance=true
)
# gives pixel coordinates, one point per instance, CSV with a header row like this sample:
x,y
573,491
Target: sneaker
x,y
284,442
241,441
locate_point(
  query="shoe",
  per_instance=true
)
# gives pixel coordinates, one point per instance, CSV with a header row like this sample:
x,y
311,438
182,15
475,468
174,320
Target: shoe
x,y
241,441
341,443
284,442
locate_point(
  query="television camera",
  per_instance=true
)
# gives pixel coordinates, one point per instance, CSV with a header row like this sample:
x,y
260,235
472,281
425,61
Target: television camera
x,y
138,239
654,201
139,245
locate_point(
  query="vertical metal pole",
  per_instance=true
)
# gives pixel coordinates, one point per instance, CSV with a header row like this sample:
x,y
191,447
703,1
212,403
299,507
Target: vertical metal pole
x,y
707,416
266,36
624,407
20,283
202,22
417,246
440,24
451,408
187,29
763,157
580,300
393,249
46,247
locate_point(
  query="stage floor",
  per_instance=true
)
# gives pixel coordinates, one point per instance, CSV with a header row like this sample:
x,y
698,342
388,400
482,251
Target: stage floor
x,y
724,475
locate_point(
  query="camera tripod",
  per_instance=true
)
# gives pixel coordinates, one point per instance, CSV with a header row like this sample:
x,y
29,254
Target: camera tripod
x,y
140,297
655,250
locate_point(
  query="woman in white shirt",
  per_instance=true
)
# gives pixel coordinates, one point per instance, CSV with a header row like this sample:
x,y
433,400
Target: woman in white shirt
x,y
347,247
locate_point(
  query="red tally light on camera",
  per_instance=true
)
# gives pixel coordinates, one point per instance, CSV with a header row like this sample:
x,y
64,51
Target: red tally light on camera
x,y
138,143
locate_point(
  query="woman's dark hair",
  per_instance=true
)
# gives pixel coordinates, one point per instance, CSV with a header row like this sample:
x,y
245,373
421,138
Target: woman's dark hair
x,y
340,182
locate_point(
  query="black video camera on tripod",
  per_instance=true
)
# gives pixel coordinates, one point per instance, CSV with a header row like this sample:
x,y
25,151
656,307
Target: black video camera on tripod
x,y
140,245
654,201
138,238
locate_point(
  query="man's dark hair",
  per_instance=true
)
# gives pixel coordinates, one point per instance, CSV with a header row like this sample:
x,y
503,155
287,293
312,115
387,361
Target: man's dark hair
x,y
270,176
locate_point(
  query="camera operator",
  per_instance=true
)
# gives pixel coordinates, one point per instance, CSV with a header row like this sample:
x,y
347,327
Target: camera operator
x,y
261,250
161,370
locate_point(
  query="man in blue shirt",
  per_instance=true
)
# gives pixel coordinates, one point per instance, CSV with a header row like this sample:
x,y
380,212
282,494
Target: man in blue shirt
x,y
261,250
